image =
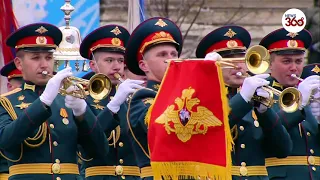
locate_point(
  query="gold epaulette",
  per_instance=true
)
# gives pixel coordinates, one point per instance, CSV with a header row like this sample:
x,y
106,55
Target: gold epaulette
x,y
6,104
11,92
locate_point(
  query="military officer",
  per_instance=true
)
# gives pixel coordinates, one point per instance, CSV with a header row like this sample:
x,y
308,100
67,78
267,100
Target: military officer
x,y
39,128
309,70
287,51
105,48
254,129
14,81
151,43
13,74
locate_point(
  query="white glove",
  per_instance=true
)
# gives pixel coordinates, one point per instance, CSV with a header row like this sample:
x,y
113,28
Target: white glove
x,y
53,86
77,105
124,90
260,92
315,108
250,85
306,87
213,56
315,105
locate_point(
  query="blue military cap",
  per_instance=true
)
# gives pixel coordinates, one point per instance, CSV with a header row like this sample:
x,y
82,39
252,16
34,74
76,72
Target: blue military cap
x,y
10,71
281,41
226,40
110,38
149,33
35,37
311,69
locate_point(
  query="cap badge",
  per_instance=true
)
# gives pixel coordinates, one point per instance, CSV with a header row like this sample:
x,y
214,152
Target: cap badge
x,y
232,44
292,43
292,35
41,40
116,41
41,30
116,31
230,33
161,23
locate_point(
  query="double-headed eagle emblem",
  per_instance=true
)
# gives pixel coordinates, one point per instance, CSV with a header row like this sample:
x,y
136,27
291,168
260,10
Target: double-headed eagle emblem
x,y
185,121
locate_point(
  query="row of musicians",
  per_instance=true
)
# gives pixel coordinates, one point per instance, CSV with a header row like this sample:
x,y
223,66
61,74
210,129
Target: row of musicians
x,y
112,134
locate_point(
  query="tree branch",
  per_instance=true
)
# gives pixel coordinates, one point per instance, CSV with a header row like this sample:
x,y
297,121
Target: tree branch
x,y
234,15
194,19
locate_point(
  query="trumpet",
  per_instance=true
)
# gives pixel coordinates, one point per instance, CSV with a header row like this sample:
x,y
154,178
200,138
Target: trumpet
x,y
312,98
257,60
289,98
98,86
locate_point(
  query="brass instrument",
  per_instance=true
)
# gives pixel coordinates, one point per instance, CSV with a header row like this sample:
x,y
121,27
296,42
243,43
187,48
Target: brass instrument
x,y
312,98
257,60
98,86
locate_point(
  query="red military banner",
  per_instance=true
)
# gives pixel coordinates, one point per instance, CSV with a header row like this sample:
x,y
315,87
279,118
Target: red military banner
x,y
189,134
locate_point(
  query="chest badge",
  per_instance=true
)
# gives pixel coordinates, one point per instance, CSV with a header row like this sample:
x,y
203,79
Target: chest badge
x,y
97,106
23,105
64,115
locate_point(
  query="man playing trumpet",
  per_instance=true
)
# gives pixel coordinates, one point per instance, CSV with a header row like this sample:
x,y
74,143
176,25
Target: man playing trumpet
x,y
255,129
105,48
39,128
287,58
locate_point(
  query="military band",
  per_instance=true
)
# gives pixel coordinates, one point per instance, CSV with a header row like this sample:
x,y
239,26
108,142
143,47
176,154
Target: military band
x,y
48,132
255,129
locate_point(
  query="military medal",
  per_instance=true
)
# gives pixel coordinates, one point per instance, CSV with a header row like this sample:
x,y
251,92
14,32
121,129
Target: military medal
x,y
64,114
256,123
254,116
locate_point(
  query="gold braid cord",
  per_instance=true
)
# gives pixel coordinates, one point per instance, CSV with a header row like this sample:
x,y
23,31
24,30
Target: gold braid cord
x,y
42,132
6,104
131,131
115,132
82,158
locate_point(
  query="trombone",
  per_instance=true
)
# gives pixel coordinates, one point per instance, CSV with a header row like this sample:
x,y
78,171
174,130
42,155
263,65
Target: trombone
x,y
98,86
312,98
257,60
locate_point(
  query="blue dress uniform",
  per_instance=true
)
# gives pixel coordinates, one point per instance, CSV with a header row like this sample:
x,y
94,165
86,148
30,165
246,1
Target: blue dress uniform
x,y
11,72
120,162
149,33
253,133
303,161
40,142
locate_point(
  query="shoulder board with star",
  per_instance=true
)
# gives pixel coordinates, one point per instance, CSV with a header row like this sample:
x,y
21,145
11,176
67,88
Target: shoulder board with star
x,y
11,92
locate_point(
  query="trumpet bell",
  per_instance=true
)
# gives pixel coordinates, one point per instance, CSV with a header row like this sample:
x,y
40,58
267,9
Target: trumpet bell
x,y
257,59
290,99
99,86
